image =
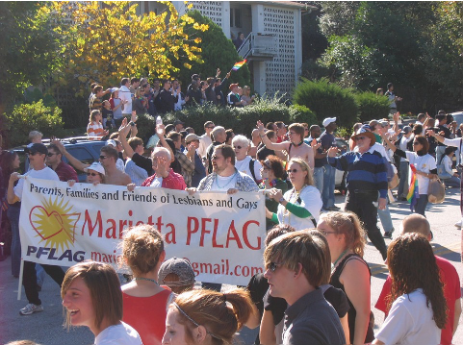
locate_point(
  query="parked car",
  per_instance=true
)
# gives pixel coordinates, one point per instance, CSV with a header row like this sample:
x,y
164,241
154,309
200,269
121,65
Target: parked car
x,y
81,148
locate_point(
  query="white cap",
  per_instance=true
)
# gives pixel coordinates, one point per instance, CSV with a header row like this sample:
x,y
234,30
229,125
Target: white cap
x,y
328,121
114,89
111,142
97,167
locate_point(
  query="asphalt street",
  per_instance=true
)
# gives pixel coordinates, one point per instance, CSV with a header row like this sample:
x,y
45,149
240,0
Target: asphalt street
x,y
47,327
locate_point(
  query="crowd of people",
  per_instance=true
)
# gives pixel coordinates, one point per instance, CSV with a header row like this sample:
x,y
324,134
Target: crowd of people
x,y
316,284
108,107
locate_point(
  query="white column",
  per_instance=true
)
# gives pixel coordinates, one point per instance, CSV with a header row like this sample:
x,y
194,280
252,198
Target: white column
x,y
259,67
298,44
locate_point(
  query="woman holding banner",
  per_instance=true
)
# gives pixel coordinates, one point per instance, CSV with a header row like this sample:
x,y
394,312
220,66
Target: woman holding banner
x,y
300,206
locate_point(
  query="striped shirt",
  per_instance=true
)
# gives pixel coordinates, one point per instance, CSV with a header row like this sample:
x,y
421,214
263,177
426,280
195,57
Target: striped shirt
x,y
366,172
95,130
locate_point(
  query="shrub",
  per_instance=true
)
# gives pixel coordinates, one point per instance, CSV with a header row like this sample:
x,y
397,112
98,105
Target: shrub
x,y
372,106
35,116
242,120
217,50
327,100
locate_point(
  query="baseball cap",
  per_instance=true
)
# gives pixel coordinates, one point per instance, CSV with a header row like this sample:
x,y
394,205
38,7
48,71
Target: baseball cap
x,y
384,123
178,122
191,137
406,129
33,148
180,267
195,76
328,121
97,167
111,142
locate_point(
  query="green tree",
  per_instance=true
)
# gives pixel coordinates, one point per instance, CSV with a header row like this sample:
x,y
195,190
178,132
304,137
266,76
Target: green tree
x,y
338,17
217,52
28,49
105,41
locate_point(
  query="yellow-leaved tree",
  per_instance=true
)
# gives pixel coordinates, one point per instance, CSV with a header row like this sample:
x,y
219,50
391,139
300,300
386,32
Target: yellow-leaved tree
x,y
106,41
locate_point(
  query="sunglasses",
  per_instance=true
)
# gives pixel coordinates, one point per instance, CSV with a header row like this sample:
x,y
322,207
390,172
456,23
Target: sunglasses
x,y
144,86
273,266
360,138
238,147
92,174
50,154
294,170
102,157
32,153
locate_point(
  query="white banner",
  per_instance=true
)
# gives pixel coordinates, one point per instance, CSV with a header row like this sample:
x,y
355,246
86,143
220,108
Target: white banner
x,y
221,235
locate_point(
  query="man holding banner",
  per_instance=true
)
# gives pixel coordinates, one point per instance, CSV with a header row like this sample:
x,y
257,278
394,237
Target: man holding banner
x,y
37,152
225,177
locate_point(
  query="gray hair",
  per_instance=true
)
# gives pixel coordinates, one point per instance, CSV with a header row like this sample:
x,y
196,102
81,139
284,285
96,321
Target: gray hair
x,y
241,139
216,130
162,150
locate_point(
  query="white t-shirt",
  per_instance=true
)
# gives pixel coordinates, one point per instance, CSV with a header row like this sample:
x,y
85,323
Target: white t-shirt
x,y
423,164
410,322
404,146
118,334
244,167
46,173
205,142
157,182
125,95
310,199
224,183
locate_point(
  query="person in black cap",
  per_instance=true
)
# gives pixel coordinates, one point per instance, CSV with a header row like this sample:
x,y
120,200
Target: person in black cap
x,y
194,92
37,152
178,125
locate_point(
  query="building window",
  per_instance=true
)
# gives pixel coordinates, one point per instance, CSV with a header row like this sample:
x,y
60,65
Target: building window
x,y
235,18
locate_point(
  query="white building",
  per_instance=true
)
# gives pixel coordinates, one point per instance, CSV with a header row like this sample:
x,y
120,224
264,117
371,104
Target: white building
x,y
273,36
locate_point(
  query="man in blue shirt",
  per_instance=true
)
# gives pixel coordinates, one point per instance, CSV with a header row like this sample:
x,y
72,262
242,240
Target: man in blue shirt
x,y
366,180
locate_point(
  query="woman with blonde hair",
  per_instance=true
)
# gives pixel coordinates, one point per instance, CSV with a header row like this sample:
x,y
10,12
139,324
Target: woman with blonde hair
x,y
144,300
350,272
300,206
92,297
207,317
95,127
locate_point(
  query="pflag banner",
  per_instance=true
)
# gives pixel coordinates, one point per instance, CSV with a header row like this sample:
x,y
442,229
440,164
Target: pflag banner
x,y
221,235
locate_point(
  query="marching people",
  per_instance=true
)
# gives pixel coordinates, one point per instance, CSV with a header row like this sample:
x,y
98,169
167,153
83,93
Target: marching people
x,y
300,206
37,153
350,272
366,183
144,300
419,307
416,223
92,297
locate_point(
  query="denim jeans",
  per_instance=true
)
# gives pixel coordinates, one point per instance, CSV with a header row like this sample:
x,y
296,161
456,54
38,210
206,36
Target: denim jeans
x,y
451,181
328,191
385,219
319,178
403,188
13,216
421,204
439,151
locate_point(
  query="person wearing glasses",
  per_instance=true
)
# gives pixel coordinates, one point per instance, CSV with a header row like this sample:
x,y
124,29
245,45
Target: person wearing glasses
x,y
296,264
300,206
108,158
37,152
243,162
350,272
272,172
425,167
65,172
367,183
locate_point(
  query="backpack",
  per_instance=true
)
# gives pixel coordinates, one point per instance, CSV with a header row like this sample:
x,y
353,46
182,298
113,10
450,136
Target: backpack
x,y
251,166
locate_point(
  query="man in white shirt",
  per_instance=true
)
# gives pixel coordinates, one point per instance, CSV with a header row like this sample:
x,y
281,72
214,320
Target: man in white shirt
x,y
37,152
125,96
205,139
404,164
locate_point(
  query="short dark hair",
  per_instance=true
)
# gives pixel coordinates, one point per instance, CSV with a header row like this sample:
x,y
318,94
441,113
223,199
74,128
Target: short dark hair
x,y
227,151
124,81
169,128
110,151
425,145
389,85
174,136
229,133
55,148
440,117
280,124
134,142
208,123
97,88
270,134
270,126
276,165
135,80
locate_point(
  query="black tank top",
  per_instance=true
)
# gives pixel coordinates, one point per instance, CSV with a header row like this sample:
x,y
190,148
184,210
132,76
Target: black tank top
x,y
335,281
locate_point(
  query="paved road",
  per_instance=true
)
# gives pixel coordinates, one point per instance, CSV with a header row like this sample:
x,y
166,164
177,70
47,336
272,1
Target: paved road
x,y
46,327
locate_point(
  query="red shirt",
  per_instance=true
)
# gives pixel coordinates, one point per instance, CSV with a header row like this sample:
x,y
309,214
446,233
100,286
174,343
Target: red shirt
x,y
452,291
147,315
65,172
172,181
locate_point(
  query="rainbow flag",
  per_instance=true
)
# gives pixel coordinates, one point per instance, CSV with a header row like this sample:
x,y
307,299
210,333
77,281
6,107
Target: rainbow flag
x,y
238,65
413,193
